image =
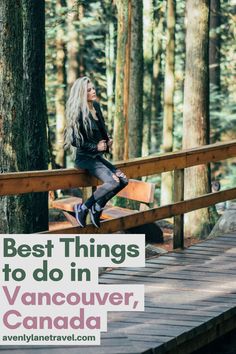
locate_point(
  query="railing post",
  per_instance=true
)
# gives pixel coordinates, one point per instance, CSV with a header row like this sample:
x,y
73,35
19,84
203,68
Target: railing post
x,y
178,240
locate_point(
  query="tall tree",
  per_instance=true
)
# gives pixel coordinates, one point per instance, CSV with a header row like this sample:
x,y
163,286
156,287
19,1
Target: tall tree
x,y
135,105
122,77
128,115
61,87
214,44
12,151
109,19
169,85
214,65
148,20
73,43
34,106
158,29
82,63
195,114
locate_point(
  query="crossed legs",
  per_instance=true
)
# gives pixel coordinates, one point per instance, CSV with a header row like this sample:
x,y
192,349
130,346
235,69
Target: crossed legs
x,y
113,180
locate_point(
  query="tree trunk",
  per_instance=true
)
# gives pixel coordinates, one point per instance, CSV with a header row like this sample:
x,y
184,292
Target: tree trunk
x,y
156,135
110,68
122,74
128,133
135,102
82,66
169,85
214,44
148,74
60,90
35,106
13,157
12,154
214,63
195,115
73,46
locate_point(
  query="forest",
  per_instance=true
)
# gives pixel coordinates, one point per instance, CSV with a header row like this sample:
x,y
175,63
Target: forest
x,y
164,71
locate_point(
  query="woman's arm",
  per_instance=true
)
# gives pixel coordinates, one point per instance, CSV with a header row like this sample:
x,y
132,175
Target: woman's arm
x,y
88,146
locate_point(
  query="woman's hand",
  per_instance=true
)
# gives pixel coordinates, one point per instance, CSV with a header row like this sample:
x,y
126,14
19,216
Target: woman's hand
x,y
110,142
102,145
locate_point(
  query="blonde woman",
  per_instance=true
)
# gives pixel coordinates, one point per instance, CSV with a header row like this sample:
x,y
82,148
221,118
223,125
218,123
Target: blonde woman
x,y
87,132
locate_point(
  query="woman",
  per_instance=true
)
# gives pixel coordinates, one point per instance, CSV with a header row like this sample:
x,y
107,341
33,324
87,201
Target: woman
x,y
86,131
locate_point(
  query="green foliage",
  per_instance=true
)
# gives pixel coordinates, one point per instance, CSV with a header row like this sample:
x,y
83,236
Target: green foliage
x,y
223,114
125,203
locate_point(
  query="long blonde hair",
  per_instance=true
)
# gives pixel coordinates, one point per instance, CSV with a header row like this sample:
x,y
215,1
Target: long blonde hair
x,y
76,106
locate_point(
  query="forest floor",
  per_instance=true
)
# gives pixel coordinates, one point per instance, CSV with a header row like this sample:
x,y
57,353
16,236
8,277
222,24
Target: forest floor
x,y
168,240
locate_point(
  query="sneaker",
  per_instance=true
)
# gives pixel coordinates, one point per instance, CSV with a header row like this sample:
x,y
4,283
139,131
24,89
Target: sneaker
x,y
80,214
95,216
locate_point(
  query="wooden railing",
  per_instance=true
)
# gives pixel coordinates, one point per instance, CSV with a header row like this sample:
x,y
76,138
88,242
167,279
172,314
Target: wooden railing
x,y
38,181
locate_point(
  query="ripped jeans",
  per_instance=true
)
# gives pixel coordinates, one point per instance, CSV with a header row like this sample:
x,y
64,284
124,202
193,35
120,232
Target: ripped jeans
x,y
113,179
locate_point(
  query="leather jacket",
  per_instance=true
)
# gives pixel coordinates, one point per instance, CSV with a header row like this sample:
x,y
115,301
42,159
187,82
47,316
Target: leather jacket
x,y
89,145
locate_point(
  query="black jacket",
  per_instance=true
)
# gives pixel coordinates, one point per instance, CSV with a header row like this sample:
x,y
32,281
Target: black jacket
x,y
89,145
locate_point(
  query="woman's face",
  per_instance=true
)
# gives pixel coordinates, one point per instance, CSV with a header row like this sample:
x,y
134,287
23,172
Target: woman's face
x,y
91,93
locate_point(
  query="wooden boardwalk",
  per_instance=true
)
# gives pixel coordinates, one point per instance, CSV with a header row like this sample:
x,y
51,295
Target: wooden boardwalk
x,y
190,299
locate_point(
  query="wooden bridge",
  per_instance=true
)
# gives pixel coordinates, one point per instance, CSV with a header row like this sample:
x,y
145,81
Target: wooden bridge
x,y
190,294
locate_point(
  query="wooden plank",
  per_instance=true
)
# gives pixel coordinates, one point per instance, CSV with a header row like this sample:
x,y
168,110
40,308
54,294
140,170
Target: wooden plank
x,y
198,312
207,270
147,268
115,212
190,300
202,251
130,328
210,254
190,276
158,321
184,255
187,274
148,216
221,243
66,203
209,244
205,287
169,316
227,238
203,270
157,279
26,182
139,191
209,303
149,338
212,247
128,272
47,182
173,260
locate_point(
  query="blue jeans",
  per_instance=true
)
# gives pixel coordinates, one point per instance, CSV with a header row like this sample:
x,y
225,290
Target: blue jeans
x,y
113,179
